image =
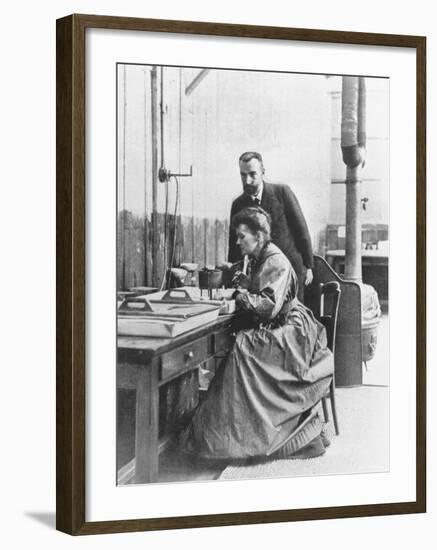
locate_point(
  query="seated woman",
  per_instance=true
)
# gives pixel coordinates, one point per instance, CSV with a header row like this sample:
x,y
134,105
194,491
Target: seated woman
x,y
263,399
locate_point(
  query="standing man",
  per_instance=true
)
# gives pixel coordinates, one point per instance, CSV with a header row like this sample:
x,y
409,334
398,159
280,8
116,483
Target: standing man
x,y
289,228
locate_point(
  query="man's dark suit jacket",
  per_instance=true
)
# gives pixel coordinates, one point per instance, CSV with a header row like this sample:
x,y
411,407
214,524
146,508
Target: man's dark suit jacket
x,y
289,229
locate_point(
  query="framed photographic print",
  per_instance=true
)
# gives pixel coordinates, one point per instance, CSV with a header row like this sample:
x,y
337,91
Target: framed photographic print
x,y
240,274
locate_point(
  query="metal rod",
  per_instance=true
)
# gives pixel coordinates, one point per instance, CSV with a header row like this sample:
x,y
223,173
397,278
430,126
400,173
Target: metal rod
x,y
154,115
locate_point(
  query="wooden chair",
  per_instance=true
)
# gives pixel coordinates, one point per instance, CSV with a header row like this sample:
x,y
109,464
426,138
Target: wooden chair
x,y
329,302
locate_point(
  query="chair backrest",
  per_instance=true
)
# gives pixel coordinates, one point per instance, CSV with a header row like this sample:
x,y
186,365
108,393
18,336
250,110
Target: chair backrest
x,y
329,301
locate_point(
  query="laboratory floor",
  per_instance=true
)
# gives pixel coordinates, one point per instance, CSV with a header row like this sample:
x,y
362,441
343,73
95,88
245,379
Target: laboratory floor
x,y
175,466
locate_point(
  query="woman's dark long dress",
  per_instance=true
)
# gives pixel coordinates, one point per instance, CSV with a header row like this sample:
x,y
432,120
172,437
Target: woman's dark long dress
x,y
263,396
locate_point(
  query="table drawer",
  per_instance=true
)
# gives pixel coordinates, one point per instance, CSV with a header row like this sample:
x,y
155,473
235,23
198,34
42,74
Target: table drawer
x,y
183,358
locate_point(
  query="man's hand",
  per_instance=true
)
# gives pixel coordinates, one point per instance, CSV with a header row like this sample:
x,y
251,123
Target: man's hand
x,y
309,277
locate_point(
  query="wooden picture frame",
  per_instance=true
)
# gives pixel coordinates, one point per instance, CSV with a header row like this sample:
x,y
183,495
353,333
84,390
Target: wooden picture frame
x,y
71,273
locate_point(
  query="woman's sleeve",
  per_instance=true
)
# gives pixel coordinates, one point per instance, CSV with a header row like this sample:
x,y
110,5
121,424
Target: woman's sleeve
x,y
274,282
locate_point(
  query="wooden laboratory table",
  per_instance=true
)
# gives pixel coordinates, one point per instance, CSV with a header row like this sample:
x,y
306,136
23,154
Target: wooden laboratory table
x,y
374,268
144,364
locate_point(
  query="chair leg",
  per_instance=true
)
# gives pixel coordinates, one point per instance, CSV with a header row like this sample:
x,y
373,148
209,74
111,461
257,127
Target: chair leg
x,y
334,409
325,409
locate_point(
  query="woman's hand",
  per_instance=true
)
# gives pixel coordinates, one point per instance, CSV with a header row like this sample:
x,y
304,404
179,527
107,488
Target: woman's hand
x,y
239,297
240,280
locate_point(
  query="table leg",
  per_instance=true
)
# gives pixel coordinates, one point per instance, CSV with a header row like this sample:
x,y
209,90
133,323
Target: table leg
x,y
146,428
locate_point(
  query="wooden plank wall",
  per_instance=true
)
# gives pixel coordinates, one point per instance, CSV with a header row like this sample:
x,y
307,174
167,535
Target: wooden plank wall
x,y
207,129
200,240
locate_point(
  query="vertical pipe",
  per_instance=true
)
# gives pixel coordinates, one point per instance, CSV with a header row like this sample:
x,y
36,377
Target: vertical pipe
x,y
193,255
146,229
353,270
180,255
154,120
353,137
361,130
166,247
162,117
180,120
353,264
123,245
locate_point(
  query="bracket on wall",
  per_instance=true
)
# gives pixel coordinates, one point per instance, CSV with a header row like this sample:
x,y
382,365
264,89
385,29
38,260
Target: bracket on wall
x,y
165,175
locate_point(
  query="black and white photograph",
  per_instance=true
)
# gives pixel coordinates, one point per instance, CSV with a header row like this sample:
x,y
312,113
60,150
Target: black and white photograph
x,y
217,285
252,274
